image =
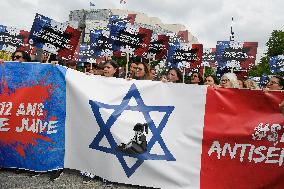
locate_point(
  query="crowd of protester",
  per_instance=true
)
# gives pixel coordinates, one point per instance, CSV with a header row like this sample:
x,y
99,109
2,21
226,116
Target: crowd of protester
x,y
142,71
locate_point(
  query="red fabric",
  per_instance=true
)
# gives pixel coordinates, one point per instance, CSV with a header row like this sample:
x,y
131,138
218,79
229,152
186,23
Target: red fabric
x,y
231,117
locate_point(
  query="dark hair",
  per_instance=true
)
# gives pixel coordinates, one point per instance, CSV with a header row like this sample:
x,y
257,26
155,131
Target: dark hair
x,y
26,56
115,65
52,57
216,81
281,80
179,74
199,76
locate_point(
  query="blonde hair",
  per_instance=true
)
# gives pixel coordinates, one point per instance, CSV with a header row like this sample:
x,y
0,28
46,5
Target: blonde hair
x,y
251,84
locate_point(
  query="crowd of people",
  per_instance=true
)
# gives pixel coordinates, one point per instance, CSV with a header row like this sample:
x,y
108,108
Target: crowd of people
x,y
142,71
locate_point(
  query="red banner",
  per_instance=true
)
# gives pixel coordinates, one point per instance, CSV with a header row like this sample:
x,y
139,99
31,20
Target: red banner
x,y
243,140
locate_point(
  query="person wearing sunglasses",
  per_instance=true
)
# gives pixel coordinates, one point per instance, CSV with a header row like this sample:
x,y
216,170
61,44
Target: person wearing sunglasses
x,y
21,56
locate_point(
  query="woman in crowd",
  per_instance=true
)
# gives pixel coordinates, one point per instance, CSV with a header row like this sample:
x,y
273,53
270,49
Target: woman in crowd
x,y
196,78
111,69
132,71
21,56
250,84
229,80
174,75
211,80
241,83
142,72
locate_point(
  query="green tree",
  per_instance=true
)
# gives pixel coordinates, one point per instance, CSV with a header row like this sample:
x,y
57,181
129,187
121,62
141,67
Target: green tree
x,y
275,46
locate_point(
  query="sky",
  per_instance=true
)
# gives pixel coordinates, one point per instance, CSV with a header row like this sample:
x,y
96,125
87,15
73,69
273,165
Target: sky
x,y
208,20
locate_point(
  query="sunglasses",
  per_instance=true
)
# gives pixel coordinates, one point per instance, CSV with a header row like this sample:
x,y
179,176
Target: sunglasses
x,y
16,57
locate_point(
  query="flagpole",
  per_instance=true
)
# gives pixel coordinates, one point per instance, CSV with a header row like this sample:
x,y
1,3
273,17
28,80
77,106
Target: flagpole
x,y
232,38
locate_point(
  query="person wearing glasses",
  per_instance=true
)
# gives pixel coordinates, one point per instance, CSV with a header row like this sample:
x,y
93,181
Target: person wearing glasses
x,y
229,80
19,56
275,83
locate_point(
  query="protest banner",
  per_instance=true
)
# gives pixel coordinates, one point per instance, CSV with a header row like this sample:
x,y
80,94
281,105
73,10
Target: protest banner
x,y
125,37
209,57
233,54
158,48
32,116
119,131
276,64
10,39
100,43
54,37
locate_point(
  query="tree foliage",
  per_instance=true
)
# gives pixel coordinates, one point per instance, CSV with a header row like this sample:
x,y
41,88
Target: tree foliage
x,y
275,46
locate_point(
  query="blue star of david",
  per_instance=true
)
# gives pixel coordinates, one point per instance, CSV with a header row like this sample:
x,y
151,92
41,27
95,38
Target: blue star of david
x,y
155,129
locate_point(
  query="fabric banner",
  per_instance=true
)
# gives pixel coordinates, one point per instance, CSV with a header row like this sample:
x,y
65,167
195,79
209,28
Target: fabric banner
x,y
32,116
10,38
276,64
54,37
243,140
100,119
192,137
235,54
